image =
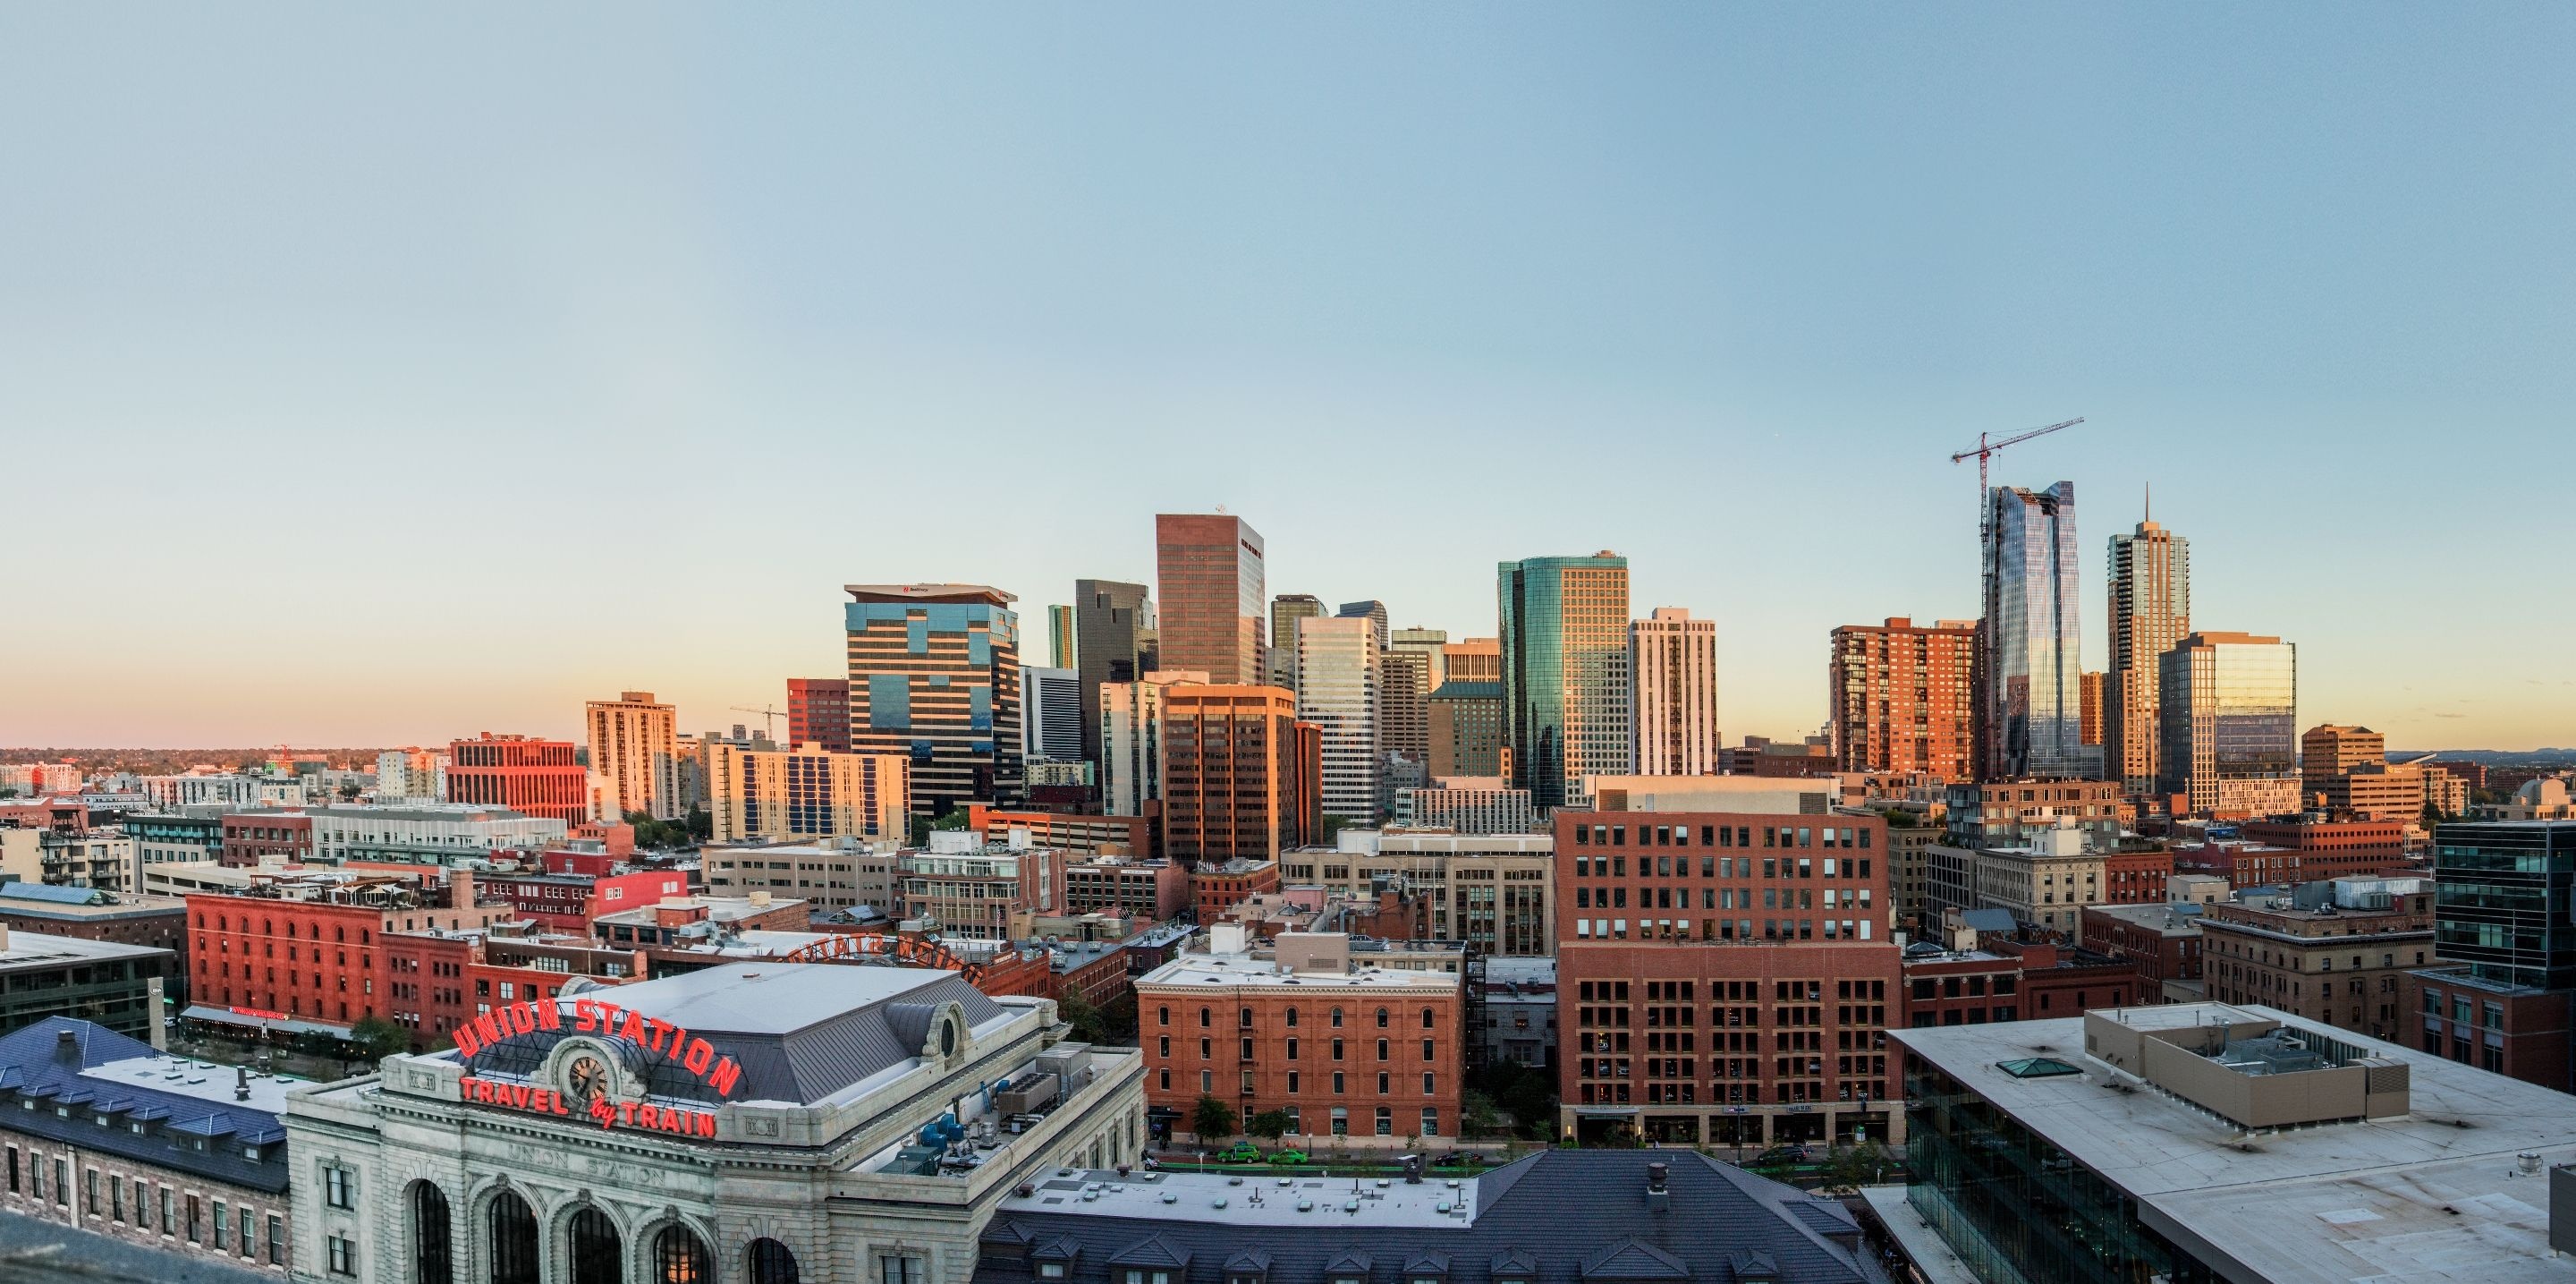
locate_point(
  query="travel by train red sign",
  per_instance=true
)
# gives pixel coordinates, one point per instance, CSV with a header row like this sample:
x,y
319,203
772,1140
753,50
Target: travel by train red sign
x,y
587,1078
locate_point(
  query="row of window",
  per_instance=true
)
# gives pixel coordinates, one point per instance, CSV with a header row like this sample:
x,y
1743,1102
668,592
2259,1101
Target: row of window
x,y
1243,1017
143,1206
1723,836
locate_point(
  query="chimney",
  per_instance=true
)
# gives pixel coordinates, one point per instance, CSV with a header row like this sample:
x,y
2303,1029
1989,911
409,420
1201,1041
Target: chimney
x,y
1658,1199
67,1045
241,1083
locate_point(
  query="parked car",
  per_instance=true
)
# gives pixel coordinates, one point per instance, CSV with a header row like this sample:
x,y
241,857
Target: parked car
x,y
1289,1157
1242,1152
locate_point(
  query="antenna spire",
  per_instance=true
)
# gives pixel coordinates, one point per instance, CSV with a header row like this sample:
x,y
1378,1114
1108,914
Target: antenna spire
x,y
2150,514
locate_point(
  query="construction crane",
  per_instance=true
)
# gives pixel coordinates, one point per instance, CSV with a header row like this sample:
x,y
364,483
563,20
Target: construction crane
x,y
1985,450
771,715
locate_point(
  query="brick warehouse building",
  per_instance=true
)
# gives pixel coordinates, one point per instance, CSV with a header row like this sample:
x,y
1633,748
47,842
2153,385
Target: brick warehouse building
x,y
1722,978
270,959
1346,1048
530,776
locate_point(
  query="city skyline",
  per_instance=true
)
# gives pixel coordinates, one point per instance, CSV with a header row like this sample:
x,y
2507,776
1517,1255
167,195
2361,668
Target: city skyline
x,y
384,351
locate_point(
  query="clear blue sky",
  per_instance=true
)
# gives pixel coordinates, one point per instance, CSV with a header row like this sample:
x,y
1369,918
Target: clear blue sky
x,y
371,376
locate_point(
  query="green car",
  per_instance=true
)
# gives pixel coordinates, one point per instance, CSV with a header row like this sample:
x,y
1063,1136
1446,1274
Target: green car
x,y
1243,1152
1289,1157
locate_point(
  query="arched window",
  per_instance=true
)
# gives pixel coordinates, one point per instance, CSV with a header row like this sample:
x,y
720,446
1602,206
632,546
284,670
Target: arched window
x,y
770,1263
1292,1016
431,1260
1426,1018
596,1249
1381,1018
680,1257
514,1240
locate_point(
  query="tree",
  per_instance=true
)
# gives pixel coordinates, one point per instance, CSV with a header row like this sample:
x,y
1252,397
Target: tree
x,y
1853,1167
376,1038
1212,1119
702,825
2432,814
348,792
1269,1125
1089,1025
1478,1116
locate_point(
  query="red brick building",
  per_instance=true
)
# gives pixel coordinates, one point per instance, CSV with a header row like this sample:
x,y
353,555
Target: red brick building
x,y
1722,979
2136,877
253,837
1093,971
436,982
527,775
2162,940
569,902
1900,695
818,713
2252,864
2372,845
1347,1051
1216,887
1151,890
2521,1031
310,946
2060,981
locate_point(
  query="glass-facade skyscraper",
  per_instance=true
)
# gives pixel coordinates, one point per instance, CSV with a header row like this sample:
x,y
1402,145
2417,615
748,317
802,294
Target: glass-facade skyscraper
x,y
1113,641
1213,593
2504,901
2229,710
2150,611
2029,664
935,676
1565,673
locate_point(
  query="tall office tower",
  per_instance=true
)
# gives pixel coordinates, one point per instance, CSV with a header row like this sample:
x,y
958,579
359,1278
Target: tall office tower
x,y
1338,675
756,789
1473,660
2330,750
818,712
1113,632
1285,611
935,676
2150,611
1672,666
2029,722
1565,673
635,754
527,775
1373,611
1434,646
2088,701
1467,730
1210,570
1060,637
1051,715
1232,783
1131,739
1901,696
2229,704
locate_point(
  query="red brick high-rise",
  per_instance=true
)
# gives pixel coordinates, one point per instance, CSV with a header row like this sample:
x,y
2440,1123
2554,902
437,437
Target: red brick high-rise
x,y
818,713
1724,978
530,776
1902,697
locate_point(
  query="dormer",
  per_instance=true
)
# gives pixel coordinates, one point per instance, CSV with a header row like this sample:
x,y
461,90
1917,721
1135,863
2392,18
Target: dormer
x,y
1513,1266
1349,1266
1006,1241
1151,1260
1054,1259
1427,1267
1251,1266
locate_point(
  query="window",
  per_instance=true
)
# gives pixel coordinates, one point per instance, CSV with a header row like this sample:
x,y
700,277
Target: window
x,y
223,1228
1381,1018
1385,1122
894,1268
598,1250
339,1190
276,1232
772,1263
679,1257
1426,1018
1430,1121
1337,1018
343,1255
430,1237
513,1228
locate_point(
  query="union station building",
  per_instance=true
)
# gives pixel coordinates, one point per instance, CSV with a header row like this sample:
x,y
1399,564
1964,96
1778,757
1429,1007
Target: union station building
x,y
760,1123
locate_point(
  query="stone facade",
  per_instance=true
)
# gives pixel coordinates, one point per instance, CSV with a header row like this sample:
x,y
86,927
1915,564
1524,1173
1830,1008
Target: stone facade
x,y
826,1172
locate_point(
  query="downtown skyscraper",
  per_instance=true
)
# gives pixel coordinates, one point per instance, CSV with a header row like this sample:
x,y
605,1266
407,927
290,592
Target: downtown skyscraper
x,y
1672,660
2150,612
2029,658
1339,676
1213,594
935,677
1565,673
1113,641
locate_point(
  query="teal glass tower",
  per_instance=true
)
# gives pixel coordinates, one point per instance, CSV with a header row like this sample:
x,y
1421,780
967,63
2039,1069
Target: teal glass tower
x,y
1565,673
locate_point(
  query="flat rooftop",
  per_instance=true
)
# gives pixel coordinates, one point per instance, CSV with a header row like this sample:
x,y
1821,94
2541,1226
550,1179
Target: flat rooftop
x,y
1238,969
1325,1203
29,950
2427,1196
766,998
203,1080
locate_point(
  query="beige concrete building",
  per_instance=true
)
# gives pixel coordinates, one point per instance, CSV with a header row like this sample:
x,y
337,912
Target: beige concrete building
x,y
2047,883
760,790
2331,749
1131,739
634,757
1672,660
2344,963
1494,891
2379,791
840,874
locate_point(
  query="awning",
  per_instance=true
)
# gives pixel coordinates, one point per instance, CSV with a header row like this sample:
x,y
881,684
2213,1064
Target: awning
x,y
1605,1112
